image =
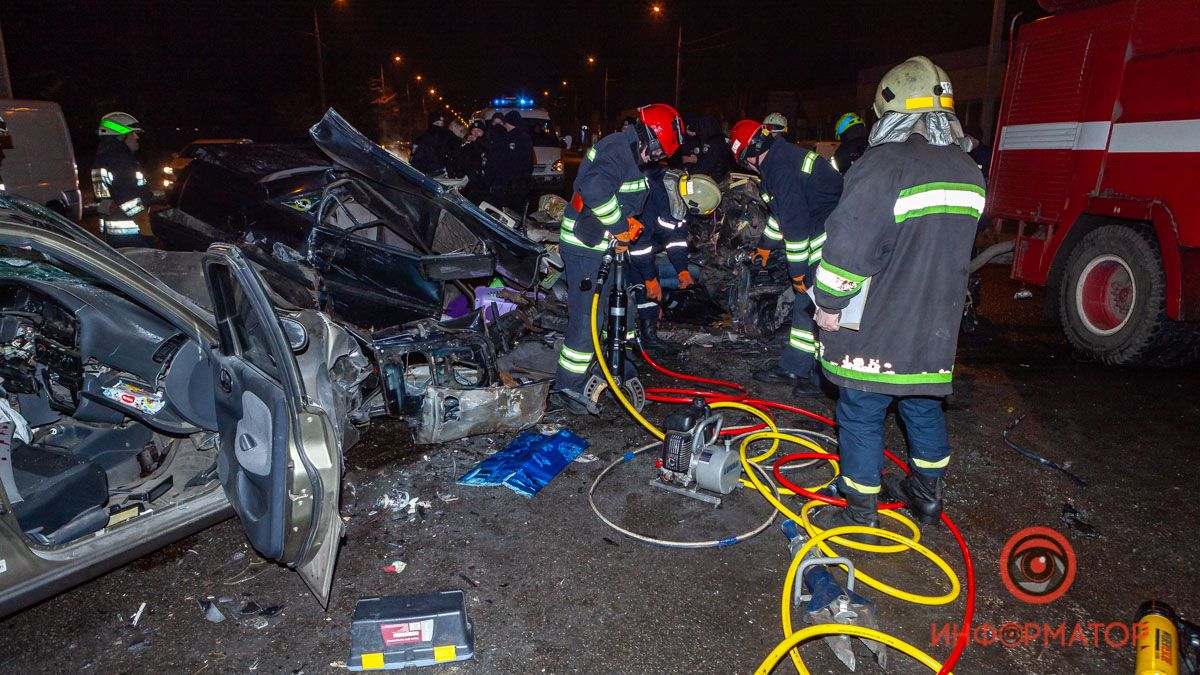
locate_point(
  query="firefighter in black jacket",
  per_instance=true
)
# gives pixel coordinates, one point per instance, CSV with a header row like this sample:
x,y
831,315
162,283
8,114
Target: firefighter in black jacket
x,y
120,187
610,192
673,195
906,223
801,189
852,134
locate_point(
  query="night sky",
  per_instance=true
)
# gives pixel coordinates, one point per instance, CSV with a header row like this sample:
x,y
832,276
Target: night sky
x,y
248,68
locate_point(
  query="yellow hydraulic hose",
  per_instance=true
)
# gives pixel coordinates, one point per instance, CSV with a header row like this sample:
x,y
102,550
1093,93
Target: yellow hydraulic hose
x,y
655,431
819,540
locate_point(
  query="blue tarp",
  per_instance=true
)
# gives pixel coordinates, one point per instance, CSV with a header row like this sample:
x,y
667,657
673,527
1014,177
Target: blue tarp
x,y
528,463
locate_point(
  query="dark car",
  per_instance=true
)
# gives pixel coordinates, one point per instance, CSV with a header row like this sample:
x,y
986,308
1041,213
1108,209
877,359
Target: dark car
x,y
378,243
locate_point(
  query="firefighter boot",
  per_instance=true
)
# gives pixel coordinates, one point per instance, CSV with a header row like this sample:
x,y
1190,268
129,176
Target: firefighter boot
x,y
860,509
655,346
921,494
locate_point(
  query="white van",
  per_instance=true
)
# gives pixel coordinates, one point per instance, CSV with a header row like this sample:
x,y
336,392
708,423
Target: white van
x,y
547,147
37,160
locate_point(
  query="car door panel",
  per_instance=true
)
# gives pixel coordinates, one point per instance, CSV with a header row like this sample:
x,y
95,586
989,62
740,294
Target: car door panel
x,y
279,461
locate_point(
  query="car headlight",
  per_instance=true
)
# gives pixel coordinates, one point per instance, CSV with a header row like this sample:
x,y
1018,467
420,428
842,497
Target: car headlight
x,y
166,182
558,165
169,171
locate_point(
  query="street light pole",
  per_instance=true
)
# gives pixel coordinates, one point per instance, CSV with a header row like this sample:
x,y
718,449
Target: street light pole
x,y
320,62
605,120
678,59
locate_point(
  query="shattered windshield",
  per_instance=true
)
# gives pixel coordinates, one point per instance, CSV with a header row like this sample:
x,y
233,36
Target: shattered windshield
x,y
26,212
21,263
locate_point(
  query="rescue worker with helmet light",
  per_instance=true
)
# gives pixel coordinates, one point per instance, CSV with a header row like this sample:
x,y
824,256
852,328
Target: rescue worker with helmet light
x,y
800,189
118,182
906,223
609,194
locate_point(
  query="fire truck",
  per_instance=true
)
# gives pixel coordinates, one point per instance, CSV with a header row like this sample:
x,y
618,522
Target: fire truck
x,y
1097,164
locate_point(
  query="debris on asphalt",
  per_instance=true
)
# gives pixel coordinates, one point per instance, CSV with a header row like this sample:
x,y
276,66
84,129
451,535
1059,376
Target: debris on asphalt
x,y
1035,457
271,611
1073,519
394,502
137,616
1023,294
396,567
586,458
211,611
249,608
138,646
447,498
528,463
468,579
254,568
410,630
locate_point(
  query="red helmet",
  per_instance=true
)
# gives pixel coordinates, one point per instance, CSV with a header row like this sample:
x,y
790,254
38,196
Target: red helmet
x,y
748,138
661,128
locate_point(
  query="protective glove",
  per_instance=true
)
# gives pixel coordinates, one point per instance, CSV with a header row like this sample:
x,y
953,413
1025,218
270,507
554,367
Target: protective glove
x,y
761,255
798,284
653,290
685,279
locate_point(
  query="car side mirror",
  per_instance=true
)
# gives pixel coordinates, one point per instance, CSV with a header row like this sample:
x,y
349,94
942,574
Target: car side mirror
x,y
295,333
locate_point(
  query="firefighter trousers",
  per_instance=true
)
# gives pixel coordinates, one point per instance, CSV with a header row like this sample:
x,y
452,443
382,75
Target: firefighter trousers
x,y
860,419
575,357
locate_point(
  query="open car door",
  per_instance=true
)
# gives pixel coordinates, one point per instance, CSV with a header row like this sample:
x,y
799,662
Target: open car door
x,y
279,458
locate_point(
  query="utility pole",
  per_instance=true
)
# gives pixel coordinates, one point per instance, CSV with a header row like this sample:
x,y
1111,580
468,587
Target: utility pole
x,y
6,90
987,116
678,59
320,62
604,120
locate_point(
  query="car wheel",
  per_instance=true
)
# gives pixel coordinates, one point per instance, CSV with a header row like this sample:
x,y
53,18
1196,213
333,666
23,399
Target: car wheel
x,y
1113,300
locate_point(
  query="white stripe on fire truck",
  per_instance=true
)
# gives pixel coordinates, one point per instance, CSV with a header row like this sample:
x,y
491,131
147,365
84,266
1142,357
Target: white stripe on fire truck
x,y
1164,136
1055,136
1172,136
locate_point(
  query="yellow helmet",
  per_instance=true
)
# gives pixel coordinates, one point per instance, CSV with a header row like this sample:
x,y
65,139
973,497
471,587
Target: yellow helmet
x,y
915,86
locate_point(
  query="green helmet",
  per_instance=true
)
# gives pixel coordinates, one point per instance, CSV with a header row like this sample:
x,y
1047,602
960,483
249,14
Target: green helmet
x,y
845,122
700,193
915,86
119,124
776,122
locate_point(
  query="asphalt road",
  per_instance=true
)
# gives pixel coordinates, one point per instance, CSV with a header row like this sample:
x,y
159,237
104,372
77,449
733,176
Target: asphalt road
x,y
551,589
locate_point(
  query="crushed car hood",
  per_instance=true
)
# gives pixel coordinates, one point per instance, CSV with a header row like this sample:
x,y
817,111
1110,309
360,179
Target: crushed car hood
x,y
516,256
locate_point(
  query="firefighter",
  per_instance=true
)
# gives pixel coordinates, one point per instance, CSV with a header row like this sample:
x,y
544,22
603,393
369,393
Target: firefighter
x,y
432,150
852,134
800,189
673,195
119,185
610,192
906,223
776,123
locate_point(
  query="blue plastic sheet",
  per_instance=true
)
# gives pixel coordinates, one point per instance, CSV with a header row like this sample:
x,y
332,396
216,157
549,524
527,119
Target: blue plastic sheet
x,y
528,463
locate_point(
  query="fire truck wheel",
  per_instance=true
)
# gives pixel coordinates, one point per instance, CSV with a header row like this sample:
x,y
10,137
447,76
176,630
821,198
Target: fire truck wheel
x,y
1112,299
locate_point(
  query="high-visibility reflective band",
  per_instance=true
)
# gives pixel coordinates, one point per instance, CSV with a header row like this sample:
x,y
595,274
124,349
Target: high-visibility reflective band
x,y
610,219
570,238
119,128
817,240
797,251
642,251
668,224
951,198
568,224
647,305
607,207
889,378
926,464
806,347
677,244
118,226
573,360
139,177
802,334
927,102
859,487
814,248
635,185
772,231
591,154
809,160
814,255
133,206
766,197
796,245
631,334
836,281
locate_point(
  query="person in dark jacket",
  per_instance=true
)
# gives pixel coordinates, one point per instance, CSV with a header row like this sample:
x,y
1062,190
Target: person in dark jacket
x,y
120,187
509,166
609,194
899,243
468,162
705,149
800,189
432,150
852,134
673,195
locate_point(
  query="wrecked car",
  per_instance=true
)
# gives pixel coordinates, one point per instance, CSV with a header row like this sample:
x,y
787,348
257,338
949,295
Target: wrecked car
x,y
376,242
145,394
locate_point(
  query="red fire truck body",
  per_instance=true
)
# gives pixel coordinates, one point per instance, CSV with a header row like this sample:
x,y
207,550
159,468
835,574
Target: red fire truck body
x,y
1097,161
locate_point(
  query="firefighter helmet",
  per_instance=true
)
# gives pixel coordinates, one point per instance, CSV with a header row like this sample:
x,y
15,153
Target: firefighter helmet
x,y
776,122
700,193
660,128
915,86
119,124
749,139
845,122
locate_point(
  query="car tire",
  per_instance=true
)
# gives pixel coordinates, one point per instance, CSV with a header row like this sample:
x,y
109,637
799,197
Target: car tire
x,y
1112,301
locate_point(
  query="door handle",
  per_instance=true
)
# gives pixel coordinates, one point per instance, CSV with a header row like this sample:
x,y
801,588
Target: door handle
x,y
225,380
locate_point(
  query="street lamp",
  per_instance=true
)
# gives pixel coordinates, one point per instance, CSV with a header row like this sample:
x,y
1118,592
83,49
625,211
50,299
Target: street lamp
x,y
658,10
604,120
